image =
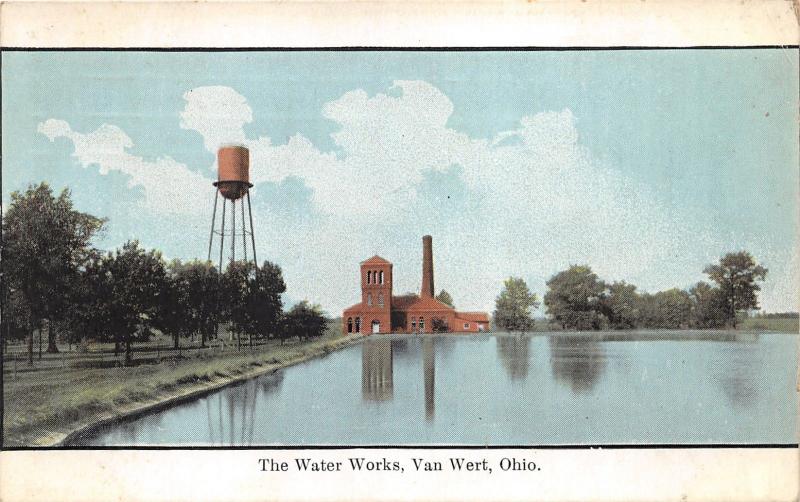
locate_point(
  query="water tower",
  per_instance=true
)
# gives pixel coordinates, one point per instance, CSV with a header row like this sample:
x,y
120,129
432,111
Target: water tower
x,y
233,184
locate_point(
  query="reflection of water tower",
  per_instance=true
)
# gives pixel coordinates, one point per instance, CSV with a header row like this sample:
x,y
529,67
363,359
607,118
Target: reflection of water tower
x,y
233,183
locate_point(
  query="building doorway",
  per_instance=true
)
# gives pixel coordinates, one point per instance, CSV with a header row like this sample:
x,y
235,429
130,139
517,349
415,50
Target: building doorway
x,y
376,326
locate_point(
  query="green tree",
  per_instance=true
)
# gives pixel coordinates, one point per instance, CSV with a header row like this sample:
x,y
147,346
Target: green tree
x,y
202,282
44,242
574,298
137,282
708,306
174,316
445,298
265,306
621,305
235,298
671,309
737,274
304,320
90,302
439,325
514,306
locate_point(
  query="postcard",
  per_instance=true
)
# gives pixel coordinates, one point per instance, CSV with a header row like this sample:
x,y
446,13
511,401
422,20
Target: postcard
x,y
361,271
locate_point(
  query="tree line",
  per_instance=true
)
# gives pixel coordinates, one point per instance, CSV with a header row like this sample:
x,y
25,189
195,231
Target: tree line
x,y
52,274
577,299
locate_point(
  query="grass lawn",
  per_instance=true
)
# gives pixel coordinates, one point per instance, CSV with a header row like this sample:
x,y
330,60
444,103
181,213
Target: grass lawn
x,y
781,325
42,407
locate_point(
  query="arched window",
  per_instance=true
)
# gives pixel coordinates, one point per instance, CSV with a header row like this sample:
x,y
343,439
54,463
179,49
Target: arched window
x,y
380,299
422,325
369,276
349,324
369,299
358,325
381,276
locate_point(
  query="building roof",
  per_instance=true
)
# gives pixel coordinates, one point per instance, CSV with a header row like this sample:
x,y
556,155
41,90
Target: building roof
x,y
473,316
414,302
357,306
376,260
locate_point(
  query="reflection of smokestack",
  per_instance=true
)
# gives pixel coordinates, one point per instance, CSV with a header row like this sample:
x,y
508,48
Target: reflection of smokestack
x,y
427,266
429,358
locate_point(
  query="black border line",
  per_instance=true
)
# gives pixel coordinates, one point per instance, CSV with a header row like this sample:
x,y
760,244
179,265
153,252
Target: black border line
x,y
412,447
639,446
366,48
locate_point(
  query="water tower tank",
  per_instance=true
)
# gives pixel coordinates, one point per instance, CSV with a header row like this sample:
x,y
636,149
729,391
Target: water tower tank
x,y
233,172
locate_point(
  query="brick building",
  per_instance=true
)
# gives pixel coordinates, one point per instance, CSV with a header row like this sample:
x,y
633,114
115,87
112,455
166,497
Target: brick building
x,y
381,312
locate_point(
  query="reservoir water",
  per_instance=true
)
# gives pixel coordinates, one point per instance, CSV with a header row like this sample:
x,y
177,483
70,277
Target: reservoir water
x,y
538,389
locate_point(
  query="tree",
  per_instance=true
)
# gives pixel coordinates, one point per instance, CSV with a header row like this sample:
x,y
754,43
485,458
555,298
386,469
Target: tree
x,y
514,305
90,302
736,275
445,298
174,314
137,282
265,306
439,325
708,306
44,242
621,306
235,298
304,320
202,283
669,309
574,298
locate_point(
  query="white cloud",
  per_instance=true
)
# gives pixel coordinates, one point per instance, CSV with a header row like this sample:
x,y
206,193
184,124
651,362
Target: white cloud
x,y
168,186
538,201
218,113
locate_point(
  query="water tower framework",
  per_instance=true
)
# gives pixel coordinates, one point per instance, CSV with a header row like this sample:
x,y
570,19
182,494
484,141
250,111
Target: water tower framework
x,y
233,185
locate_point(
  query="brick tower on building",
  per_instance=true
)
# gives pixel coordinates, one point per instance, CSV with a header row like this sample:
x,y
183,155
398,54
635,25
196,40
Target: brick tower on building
x,y
376,295
381,312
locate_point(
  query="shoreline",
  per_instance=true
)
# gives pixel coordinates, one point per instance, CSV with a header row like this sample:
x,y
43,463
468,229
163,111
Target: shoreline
x,y
182,393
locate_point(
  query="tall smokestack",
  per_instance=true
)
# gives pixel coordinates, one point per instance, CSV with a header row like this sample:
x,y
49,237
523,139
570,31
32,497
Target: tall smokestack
x,y
427,267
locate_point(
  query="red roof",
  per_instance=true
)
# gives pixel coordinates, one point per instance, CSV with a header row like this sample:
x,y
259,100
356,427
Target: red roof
x,y
473,316
414,302
357,306
377,260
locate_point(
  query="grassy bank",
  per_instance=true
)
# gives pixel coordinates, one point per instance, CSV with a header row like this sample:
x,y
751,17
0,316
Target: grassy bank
x,y
780,325
44,407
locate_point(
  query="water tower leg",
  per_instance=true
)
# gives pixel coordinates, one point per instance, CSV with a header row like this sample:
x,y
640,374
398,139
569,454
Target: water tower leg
x,y
252,230
244,232
213,222
222,237
233,230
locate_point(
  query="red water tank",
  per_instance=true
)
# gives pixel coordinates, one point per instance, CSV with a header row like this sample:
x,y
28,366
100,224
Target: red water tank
x,y
233,171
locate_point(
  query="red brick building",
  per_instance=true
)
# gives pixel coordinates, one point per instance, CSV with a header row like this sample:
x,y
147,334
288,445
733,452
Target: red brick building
x,y
381,312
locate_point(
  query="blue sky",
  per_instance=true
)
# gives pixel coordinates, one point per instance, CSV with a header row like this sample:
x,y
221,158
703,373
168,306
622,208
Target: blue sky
x,y
645,164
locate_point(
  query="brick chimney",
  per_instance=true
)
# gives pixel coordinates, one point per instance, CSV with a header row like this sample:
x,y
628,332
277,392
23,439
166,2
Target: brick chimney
x,y
427,267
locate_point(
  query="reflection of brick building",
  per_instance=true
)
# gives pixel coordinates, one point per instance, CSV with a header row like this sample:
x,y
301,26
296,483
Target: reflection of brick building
x,y
380,312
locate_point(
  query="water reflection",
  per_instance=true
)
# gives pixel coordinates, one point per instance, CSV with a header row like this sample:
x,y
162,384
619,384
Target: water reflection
x,y
576,360
514,353
741,373
429,370
236,417
377,370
